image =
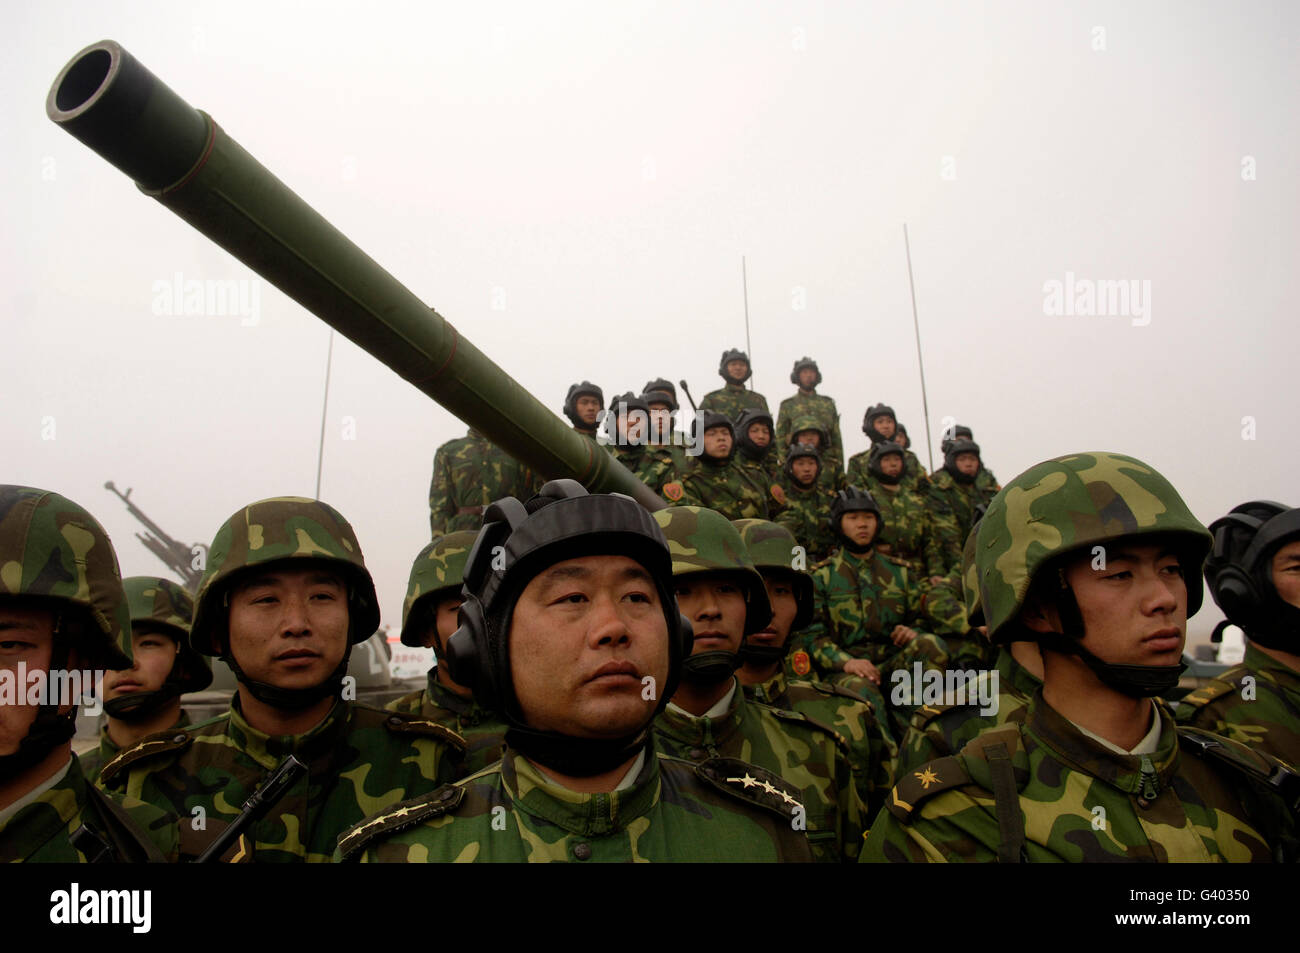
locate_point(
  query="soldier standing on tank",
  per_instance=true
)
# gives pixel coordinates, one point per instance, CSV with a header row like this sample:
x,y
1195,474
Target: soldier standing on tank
x,y
755,452
809,430
733,398
1254,576
285,596
807,512
908,532
468,474
712,479
762,673
574,636
952,499
147,697
985,481
665,445
806,402
433,597
1097,558
62,610
724,599
880,424
583,405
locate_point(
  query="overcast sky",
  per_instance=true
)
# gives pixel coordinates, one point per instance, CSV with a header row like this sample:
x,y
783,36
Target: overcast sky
x,y
573,185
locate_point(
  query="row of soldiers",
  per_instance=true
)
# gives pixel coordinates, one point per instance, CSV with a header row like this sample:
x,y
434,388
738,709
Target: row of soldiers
x,y
617,685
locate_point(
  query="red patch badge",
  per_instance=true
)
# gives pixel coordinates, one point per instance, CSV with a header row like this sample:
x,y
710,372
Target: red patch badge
x,y
673,492
801,663
778,494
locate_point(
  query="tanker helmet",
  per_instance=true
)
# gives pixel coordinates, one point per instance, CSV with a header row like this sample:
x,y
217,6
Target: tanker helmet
x,y
740,430
852,499
437,573
581,389
955,449
734,354
797,451
660,391
1240,571
800,365
706,420
955,432
869,419
878,452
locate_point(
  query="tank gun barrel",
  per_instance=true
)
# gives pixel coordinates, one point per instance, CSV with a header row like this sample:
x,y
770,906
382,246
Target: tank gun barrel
x,y
180,157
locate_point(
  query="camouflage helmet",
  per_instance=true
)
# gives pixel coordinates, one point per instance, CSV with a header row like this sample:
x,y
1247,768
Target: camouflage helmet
x,y
800,365
774,550
704,541
166,605
735,354
877,453
808,422
798,451
1066,506
970,580
740,429
436,574
854,499
54,550
581,389
277,531
869,418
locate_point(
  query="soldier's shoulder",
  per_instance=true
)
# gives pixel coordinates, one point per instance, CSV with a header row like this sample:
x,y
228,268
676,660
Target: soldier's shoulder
x,y
915,789
404,725
817,689
156,751
1220,687
1242,759
440,802
797,722
739,781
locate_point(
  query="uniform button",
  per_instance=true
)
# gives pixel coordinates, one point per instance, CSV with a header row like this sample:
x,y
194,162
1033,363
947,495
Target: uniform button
x,y
178,739
1143,803
698,754
446,795
394,720
582,851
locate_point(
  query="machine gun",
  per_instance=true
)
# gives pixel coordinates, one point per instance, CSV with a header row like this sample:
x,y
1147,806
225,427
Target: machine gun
x,y
178,557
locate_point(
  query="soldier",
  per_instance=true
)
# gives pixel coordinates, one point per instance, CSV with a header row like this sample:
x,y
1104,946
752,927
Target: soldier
x,y
583,405
428,619
755,451
868,608
806,402
1254,576
762,672
985,481
1096,557
666,442
808,502
574,636
468,474
952,498
914,471
62,611
908,532
810,430
724,599
880,425
147,697
285,595
629,423
713,480
732,398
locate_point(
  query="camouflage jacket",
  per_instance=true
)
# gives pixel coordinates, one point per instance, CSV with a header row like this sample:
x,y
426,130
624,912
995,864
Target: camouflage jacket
x,y
909,533
857,602
914,478
812,757
1256,703
952,507
721,810
653,466
483,731
807,515
93,761
823,409
1069,798
728,489
941,730
732,399
39,831
468,474
359,761
764,472
871,749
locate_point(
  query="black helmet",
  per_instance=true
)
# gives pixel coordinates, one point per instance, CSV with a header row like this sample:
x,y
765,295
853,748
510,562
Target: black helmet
x,y
621,406
800,365
874,411
581,389
955,432
740,430
955,449
704,421
657,387
735,354
798,450
854,500
880,450
1239,571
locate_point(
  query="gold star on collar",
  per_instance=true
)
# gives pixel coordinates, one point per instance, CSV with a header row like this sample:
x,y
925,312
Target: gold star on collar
x,y
747,781
926,777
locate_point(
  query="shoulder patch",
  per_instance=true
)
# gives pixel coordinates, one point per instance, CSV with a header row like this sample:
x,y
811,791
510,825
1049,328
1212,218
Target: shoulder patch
x,y
778,494
673,492
750,783
798,717
172,741
1216,688
401,724
925,782
397,816
801,662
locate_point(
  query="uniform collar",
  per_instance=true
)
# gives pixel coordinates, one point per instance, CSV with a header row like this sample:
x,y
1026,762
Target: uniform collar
x,y
1012,673
322,741
444,697
582,814
771,691
1271,668
710,729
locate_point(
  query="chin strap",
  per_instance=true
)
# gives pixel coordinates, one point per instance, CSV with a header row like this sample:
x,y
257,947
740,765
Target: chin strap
x,y
1136,681
135,707
576,757
762,655
292,699
709,668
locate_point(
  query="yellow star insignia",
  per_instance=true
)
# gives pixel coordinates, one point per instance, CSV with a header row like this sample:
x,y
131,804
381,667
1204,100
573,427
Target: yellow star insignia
x,y
926,777
767,786
747,781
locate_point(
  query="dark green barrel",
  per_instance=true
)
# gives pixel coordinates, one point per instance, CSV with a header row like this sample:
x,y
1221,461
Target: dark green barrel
x,y
179,156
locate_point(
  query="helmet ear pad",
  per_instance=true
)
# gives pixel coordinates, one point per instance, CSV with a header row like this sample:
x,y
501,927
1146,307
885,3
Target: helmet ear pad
x,y
1238,596
468,653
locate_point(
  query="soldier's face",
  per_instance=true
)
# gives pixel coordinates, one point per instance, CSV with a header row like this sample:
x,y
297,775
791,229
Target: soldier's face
x,y
588,409
900,438
737,370
809,436
661,415
859,527
780,591
968,463
154,653
807,378
885,426
717,442
891,464
760,434
804,469
1286,572
289,627
715,604
585,636
1135,609
445,619
26,635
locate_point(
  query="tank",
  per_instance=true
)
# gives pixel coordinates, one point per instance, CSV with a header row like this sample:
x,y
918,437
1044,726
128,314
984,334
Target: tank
x,y
180,157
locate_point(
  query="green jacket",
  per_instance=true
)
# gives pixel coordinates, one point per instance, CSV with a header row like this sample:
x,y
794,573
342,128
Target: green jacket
x,y
1044,791
909,531
510,812
818,406
732,399
1256,703
468,474
807,516
812,757
93,761
727,488
952,507
483,731
653,466
39,831
359,761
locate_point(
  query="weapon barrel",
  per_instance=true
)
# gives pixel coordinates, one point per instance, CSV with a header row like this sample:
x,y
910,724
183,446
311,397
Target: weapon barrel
x,y
179,156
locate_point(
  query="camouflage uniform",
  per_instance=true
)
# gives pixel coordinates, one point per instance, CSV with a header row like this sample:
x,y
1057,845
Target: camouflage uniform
x,y
830,477
93,761
511,812
819,408
908,533
1256,703
484,733
468,474
727,488
732,399
359,759
807,515
653,465
952,508
762,463
53,551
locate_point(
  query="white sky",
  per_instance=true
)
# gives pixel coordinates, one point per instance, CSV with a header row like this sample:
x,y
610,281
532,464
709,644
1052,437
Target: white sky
x,y
602,168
